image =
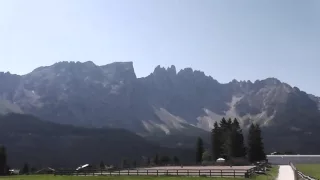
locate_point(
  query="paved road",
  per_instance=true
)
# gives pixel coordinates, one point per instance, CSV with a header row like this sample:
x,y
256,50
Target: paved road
x,y
285,173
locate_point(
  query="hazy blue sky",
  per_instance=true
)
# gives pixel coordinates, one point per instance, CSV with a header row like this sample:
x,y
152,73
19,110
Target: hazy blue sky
x,y
238,39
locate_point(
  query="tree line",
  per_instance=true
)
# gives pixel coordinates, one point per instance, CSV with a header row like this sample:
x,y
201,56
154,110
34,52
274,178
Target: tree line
x,y
4,168
228,142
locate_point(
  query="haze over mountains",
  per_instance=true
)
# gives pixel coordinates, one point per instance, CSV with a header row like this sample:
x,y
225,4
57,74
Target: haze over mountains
x,y
165,103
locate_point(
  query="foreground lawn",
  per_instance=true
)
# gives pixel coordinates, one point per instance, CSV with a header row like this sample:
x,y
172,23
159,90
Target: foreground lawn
x,y
271,175
312,170
49,177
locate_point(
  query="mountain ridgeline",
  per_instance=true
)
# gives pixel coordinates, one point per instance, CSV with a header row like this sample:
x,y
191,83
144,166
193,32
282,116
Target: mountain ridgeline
x,y
164,104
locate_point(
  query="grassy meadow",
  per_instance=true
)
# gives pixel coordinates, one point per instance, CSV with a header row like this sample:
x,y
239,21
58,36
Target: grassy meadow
x,y
271,175
49,177
312,170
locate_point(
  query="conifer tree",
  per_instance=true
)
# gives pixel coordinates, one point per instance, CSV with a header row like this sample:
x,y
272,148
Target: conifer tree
x,y
3,160
229,124
102,166
156,160
238,146
199,150
255,144
25,169
223,124
134,163
216,141
176,160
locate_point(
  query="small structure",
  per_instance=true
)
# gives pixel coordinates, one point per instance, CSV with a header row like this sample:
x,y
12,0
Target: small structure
x,y
14,171
221,160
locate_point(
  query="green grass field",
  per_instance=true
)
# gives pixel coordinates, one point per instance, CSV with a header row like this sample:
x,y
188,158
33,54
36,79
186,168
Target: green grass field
x,y
271,175
312,170
108,178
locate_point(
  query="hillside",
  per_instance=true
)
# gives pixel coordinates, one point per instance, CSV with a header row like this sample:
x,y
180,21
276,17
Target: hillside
x,y
41,144
164,104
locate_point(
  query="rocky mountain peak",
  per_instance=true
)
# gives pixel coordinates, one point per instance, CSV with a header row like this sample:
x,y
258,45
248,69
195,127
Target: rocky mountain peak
x,y
120,71
171,71
271,82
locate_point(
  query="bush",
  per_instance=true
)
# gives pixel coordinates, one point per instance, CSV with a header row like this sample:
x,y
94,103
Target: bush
x,y
239,162
207,163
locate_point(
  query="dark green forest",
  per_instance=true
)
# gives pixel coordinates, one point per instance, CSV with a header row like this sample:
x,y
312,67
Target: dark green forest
x,y
42,144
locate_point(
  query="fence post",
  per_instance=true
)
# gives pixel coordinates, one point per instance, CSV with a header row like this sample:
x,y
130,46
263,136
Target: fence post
x,y
110,173
138,172
210,172
246,175
199,172
188,172
167,172
157,173
119,172
221,172
177,172
147,172
234,173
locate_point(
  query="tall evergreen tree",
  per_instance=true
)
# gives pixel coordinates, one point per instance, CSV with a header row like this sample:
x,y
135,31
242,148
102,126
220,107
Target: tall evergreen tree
x,y
199,150
216,141
229,124
124,163
237,139
3,160
156,159
176,160
134,163
25,169
255,144
223,124
225,132
102,166
148,161
260,146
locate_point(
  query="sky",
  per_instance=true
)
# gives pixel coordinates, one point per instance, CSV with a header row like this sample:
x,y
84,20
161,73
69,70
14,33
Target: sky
x,y
227,39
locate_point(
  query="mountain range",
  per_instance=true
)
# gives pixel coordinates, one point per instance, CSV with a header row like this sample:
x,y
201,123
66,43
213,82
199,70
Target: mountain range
x,y
164,104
